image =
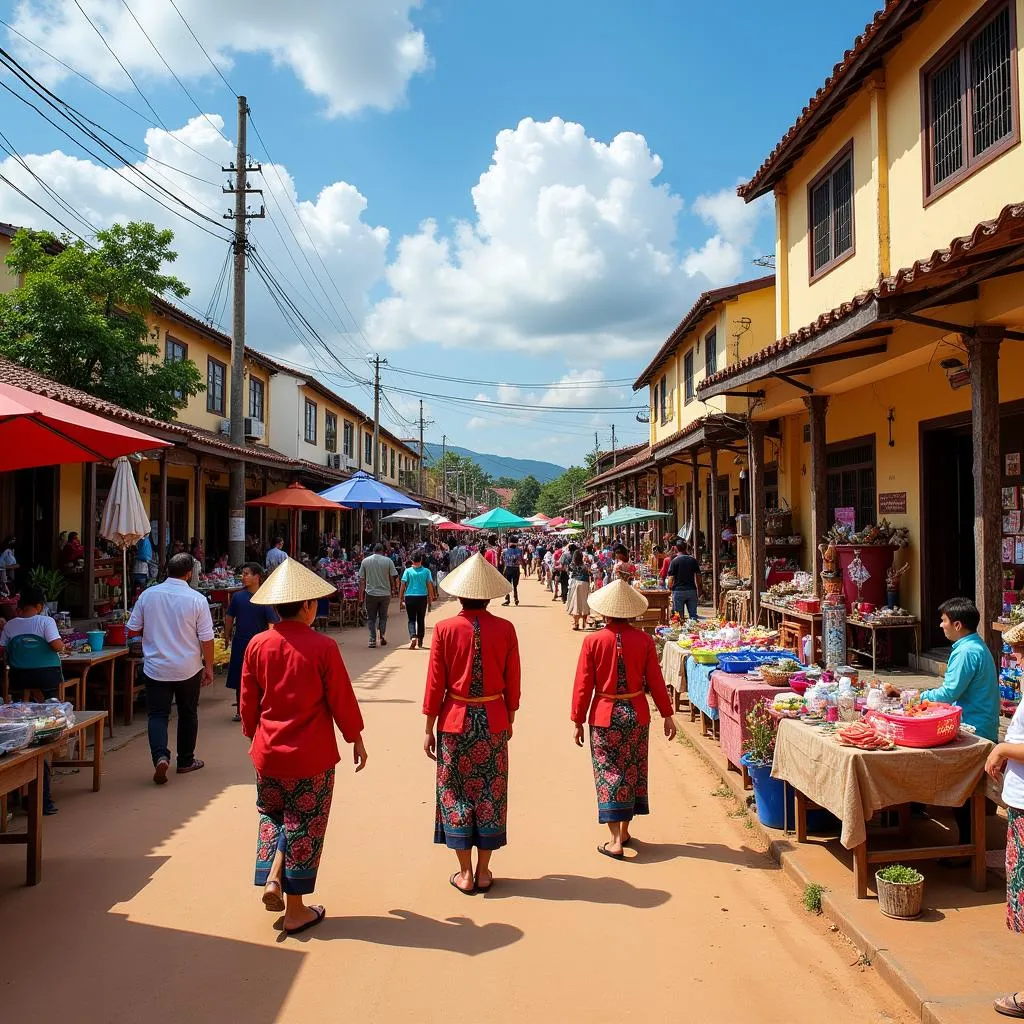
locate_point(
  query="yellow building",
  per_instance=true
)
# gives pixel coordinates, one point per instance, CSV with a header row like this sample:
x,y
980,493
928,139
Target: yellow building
x,y
895,387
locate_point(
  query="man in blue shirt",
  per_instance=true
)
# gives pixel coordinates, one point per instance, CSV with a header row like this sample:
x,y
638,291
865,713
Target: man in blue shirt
x,y
511,562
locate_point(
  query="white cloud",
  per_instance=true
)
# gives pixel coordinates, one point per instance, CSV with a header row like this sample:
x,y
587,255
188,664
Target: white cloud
x,y
722,257
476,423
354,252
353,53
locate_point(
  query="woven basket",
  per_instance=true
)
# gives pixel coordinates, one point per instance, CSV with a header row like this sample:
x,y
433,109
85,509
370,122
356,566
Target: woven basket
x,y
778,522
776,676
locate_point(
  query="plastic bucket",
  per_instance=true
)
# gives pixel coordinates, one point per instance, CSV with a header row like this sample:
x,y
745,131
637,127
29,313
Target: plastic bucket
x,y
776,808
116,635
96,638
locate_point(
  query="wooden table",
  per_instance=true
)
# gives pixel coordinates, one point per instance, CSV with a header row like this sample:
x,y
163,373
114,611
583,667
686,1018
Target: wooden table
x,y
81,664
789,615
875,628
733,695
25,768
673,668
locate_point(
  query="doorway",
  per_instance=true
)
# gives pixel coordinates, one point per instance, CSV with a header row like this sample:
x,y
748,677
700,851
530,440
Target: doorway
x,y
215,539
947,523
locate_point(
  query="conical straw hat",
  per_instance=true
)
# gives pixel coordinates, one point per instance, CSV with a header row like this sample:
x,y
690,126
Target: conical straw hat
x,y
476,580
291,581
618,600
1015,636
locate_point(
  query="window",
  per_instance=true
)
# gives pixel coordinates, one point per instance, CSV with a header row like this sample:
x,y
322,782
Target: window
x,y
654,401
688,377
348,440
310,420
330,431
969,96
368,448
830,198
663,384
256,393
175,352
850,479
771,486
392,462
216,375
711,352
383,456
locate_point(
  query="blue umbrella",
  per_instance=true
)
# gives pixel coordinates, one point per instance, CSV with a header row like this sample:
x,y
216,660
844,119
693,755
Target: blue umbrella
x,y
363,492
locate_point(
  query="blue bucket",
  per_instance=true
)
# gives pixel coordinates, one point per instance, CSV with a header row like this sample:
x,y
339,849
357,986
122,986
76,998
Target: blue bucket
x,y
776,807
96,638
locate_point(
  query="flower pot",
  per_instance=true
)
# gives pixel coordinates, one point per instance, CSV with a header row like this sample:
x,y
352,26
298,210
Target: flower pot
x,y
901,900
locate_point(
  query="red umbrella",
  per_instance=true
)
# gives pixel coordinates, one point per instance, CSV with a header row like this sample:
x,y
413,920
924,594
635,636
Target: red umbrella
x,y
40,431
455,526
295,497
555,523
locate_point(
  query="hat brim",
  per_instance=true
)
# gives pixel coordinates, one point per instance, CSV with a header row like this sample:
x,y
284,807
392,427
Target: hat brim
x,y
617,600
476,580
291,582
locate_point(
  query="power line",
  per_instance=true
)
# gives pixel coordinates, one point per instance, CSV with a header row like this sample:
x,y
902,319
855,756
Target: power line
x,y
611,382
519,405
203,48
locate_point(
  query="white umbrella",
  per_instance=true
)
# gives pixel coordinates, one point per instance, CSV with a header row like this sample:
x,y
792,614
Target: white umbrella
x,y
409,515
124,520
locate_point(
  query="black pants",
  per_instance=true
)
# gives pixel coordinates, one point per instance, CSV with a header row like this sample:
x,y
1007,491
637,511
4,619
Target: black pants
x,y
416,609
563,583
184,693
512,575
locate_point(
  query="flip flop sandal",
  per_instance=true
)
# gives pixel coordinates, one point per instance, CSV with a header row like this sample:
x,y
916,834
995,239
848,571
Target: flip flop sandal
x,y
273,900
321,913
1016,1010
454,885
603,849
484,888
628,841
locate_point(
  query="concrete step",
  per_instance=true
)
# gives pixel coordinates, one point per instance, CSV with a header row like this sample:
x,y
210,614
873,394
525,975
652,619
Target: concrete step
x,y
932,662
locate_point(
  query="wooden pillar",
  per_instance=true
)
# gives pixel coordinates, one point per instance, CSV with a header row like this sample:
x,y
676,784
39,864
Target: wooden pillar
x,y
755,454
817,406
89,539
695,510
715,530
660,499
983,350
263,544
197,507
161,514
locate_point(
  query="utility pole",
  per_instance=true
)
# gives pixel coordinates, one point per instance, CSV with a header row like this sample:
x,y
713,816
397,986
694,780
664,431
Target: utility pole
x,y
615,460
422,453
444,472
240,189
377,361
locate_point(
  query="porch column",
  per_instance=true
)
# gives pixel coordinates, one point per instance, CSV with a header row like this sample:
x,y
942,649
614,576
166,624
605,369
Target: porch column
x,y
983,350
695,511
755,456
89,539
817,406
715,530
162,514
660,484
197,521
263,545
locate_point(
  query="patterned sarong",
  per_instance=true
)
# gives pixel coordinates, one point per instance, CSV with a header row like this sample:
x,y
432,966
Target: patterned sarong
x,y
293,818
1015,870
472,776
619,755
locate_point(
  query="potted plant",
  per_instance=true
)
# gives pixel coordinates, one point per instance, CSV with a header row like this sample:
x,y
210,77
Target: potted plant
x,y
758,754
51,583
900,891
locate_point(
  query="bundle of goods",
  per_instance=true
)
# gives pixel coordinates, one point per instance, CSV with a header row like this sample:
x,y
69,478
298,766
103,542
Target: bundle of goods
x,y
221,652
895,616
76,642
883,534
866,735
778,673
778,522
25,723
788,705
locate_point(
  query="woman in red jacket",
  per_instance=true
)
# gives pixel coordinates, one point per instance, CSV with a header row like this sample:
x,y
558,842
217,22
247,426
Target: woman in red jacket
x,y
618,667
295,689
472,696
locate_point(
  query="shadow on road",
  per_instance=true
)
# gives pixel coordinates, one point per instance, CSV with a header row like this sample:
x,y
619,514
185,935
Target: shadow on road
x,y
657,853
404,928
579,888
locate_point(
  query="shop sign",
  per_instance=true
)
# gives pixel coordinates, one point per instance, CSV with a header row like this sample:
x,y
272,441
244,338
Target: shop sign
x,y
892,504
847,517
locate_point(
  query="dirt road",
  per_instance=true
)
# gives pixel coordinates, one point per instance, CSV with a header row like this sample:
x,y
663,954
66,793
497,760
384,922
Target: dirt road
x,y
146,914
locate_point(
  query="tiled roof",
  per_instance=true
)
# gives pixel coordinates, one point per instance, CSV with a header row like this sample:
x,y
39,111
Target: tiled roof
x,y
878,37
989,233
632,464
700,309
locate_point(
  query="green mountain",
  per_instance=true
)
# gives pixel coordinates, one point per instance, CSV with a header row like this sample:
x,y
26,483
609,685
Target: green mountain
x,y
501,465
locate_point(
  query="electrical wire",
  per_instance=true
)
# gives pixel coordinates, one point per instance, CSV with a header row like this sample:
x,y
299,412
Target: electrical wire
x,y
610,382
518,405
203,48
219,284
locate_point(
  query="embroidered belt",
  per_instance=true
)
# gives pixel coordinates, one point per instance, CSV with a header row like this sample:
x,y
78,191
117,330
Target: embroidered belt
x,y
476,700
620,696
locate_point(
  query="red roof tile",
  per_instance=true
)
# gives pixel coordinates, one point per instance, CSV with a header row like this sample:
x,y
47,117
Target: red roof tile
x,y
635,462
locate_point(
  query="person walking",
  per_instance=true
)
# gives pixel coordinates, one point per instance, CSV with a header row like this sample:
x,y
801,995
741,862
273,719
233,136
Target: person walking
x,y
295,690
377,576
242,621
472,696
275,555
415,595
579,590
618,666
511,564
564,561
177,661
683,579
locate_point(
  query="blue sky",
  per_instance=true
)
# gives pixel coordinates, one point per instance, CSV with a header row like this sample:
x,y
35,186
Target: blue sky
x,y
570,261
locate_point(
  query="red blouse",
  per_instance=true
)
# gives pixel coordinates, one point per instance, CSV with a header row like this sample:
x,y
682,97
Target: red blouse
x,y
597,675
450,671
295,689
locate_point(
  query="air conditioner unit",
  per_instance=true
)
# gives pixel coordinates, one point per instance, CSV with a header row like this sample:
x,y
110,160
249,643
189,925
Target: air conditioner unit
x,y
350,462
334,460
225,427
253,428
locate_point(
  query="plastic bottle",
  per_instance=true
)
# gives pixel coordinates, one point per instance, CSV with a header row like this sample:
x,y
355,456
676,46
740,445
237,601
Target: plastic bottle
x,y
846,700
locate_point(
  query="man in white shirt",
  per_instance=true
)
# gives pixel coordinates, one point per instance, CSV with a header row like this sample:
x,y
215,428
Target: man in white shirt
x,y
276,555
177,650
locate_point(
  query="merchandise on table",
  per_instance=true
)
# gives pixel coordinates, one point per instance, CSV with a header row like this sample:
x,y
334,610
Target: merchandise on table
x,y
47,722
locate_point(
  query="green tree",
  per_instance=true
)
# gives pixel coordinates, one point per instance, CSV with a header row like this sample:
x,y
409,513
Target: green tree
x,y
79,316
524,501
563,490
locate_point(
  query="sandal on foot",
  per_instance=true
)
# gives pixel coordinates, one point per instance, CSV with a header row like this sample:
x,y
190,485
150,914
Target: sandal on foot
x,y
1008,1006
455,885
483,888
320,912
603,849
272,899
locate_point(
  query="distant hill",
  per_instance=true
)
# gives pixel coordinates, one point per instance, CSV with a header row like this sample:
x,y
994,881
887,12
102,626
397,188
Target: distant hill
x,y
500,465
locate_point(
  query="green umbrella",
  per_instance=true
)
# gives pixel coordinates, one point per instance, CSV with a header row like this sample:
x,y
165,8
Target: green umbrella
x,y
499,519
626,516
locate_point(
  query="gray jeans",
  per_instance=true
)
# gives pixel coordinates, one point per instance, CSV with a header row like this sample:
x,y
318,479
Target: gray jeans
x,y
377,615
